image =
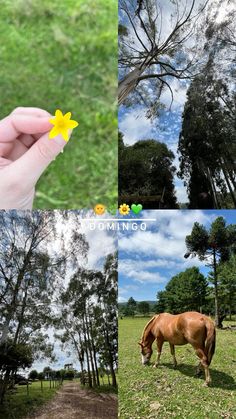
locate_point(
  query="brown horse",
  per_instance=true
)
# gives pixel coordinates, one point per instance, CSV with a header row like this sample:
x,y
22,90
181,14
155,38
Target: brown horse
x,y
180,329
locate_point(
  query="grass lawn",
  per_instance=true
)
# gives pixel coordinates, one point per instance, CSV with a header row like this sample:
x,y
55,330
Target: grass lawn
x,y
165,392
63,54
19,404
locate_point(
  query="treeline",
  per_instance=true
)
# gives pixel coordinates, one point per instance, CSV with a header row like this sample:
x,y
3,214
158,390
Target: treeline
x,y
132,308
51,374
34,297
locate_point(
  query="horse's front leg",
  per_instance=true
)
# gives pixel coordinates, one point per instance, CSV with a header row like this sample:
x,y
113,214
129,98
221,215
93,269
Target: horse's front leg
x,y
172,351
159,349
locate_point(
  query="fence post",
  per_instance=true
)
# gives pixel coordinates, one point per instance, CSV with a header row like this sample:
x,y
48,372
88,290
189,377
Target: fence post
x,y
41,385
27,387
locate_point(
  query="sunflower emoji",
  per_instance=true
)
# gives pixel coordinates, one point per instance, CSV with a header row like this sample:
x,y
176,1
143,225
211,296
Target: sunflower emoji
x,y
124,209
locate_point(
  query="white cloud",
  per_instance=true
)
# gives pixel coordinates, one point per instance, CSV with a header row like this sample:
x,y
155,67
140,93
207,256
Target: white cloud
x,y
179,92
169,240
145,276
135,126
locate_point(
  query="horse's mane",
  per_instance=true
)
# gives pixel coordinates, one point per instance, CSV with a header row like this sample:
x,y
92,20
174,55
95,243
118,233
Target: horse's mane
x,y
150,321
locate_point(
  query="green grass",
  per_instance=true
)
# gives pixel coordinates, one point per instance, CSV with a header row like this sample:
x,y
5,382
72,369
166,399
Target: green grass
x,y
165,392
104,387
63,54
18,404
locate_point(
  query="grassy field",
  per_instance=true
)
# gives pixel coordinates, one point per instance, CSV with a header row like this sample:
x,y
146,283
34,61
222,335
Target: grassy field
x,y
165,392
19,404
63,55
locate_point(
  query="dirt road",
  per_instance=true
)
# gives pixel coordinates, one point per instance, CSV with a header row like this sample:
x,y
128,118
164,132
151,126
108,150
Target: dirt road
x,y
72,402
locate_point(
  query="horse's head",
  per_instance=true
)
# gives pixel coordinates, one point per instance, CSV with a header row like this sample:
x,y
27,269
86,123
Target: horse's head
x,y
146,353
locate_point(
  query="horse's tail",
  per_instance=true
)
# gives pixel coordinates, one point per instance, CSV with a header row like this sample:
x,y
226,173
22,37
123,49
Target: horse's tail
x,y
210,342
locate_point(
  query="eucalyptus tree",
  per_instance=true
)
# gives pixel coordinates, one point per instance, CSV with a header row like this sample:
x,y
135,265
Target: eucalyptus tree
x,y
207,141
32,262
155,46
87,321
214,246
108,323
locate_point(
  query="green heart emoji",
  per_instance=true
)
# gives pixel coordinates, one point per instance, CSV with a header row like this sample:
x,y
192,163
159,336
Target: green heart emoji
x,y
136,208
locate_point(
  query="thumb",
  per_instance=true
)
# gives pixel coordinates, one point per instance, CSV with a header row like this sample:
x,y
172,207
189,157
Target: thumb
x,y
32,164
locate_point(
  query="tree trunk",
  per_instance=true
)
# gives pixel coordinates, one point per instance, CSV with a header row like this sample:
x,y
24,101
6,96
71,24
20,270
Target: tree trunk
x,y
4,384
217,316
87,356
128,83
110,360
90,351
230,171
229,185
94,354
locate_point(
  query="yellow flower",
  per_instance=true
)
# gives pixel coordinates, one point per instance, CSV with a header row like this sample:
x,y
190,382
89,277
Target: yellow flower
x,y
62,124
124,209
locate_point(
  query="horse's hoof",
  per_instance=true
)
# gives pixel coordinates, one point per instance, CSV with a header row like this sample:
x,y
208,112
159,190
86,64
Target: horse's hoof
x,y
155,366
206,384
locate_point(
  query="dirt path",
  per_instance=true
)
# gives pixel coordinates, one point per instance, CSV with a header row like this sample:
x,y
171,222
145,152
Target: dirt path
x,y
72,402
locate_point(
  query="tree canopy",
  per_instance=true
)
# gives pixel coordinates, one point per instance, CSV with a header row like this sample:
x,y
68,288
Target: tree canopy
x,y
214,246
186,291
149,54
146,174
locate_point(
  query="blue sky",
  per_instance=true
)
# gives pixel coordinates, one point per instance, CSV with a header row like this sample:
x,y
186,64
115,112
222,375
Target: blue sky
x,y
135,126
149,259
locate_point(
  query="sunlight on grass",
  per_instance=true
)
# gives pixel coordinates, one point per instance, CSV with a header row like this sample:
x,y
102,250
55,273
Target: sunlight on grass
x,y
64,55
167,392
19,404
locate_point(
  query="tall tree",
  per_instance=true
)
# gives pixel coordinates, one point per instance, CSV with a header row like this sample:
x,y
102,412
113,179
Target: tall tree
x,y
208,139
30,270
88,319
186,291
227,285
213,246
206,143
146,174
151,54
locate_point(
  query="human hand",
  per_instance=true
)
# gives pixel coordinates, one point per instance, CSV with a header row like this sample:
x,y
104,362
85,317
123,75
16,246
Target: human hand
x,y
25,152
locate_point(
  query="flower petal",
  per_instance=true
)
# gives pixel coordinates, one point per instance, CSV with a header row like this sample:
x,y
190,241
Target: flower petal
x,y
58,114
53,121
72,124
67,116
54,132
64,133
